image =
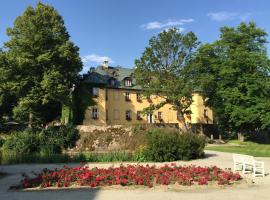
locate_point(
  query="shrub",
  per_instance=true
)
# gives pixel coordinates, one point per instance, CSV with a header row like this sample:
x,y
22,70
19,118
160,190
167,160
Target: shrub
x,y
26,141
169,145
49,141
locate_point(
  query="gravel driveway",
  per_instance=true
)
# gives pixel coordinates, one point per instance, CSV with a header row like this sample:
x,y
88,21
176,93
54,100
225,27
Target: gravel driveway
x,y
258,191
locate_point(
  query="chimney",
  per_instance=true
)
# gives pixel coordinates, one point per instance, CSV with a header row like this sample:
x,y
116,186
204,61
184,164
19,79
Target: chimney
x,y
92,70
105,64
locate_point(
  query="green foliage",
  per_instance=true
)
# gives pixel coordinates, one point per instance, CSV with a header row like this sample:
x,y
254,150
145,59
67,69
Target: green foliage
x,y
15,158
234,74
26,141
169,145
162,69
49,141
82,99
41,63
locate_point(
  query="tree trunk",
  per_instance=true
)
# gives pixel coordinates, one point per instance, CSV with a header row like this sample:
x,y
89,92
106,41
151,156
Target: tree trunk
x,y
30,123
184,127
240,137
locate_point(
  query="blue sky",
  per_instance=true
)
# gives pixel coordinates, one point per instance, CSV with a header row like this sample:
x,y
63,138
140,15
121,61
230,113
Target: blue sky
x,y
119,30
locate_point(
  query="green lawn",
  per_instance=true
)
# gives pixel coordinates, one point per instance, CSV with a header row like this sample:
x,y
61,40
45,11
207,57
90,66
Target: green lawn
x,y
248,148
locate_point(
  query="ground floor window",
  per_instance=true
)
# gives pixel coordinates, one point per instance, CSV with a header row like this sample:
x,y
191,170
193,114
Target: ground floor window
x,y
128,115
139,117
159,115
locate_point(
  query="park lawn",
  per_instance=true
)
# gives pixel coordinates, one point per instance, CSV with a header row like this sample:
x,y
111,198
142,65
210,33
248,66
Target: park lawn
x,y
248,148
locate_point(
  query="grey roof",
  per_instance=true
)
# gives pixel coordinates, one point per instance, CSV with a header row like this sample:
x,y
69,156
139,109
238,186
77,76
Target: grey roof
x,y
106,76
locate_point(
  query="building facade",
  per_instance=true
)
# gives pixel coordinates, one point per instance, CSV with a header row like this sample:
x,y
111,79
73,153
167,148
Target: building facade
x,y
119,101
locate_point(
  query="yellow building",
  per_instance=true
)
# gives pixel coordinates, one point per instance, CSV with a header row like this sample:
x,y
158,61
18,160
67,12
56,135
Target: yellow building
x,y
118,101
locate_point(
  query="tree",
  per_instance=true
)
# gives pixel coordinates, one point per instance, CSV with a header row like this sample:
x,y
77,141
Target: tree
x,y
7,99
44,63
234,74
162,70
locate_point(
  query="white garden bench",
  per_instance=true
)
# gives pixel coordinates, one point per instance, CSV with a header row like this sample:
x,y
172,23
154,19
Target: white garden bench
x,y
248,163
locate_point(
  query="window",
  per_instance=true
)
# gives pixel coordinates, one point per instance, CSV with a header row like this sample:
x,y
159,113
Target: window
x,y
149,99
128,115
128,82
139,98
179,115
95,92
127,97
95,113
107,115
159,115
139,117
205,113
112,82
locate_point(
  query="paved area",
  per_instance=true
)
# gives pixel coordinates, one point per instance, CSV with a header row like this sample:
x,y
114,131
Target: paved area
x,y
259,190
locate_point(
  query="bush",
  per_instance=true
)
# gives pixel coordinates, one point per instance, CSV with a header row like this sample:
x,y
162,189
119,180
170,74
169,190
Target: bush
x,y
26,141
55,138
49,141
169,145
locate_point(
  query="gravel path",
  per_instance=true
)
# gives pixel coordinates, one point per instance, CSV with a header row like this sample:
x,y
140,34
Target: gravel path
x,y
258,191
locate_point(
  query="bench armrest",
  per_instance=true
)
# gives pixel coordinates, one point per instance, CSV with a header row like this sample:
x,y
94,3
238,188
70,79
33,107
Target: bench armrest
x,y
260,163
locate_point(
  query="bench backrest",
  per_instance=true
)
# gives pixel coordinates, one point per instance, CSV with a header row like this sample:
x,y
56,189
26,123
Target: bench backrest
x,y
243,158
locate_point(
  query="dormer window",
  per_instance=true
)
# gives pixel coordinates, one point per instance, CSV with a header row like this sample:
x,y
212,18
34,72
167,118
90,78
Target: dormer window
x,y
112,82
128,82
95,92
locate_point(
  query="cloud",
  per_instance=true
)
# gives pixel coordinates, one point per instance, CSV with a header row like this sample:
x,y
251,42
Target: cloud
x,y
165,24
179,30
93,59
225,16
96,59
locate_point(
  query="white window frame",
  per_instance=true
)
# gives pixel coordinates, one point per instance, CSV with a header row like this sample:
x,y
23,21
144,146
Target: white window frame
x,y
128,82
128,115
94,113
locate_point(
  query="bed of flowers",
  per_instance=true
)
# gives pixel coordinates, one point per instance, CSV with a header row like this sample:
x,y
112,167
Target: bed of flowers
x,y
130,175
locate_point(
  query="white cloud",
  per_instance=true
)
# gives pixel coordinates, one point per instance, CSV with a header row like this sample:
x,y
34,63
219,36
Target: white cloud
x,y
96,59
179,30
224,16
165,24
93,59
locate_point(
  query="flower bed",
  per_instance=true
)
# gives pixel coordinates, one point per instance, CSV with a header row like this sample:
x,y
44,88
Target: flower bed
x,y
130,175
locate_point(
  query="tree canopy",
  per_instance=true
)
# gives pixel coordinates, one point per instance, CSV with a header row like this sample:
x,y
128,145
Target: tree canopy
x,y
234,73
41,63
162,69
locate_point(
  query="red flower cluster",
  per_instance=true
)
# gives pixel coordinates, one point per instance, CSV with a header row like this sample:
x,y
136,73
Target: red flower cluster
x,y
131,175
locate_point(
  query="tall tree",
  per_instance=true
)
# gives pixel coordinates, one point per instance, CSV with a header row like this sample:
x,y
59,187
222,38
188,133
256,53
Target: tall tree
x,y
43,62
162,68
7,98
234,72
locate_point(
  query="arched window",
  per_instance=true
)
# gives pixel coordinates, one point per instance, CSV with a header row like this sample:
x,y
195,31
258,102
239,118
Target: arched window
x,y
128,82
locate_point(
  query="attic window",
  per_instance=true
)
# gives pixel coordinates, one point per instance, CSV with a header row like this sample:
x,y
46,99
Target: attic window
x,y
112,82
128,82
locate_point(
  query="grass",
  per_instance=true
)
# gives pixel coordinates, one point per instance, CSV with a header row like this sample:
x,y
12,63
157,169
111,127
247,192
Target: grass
x,y
114,156
248,148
